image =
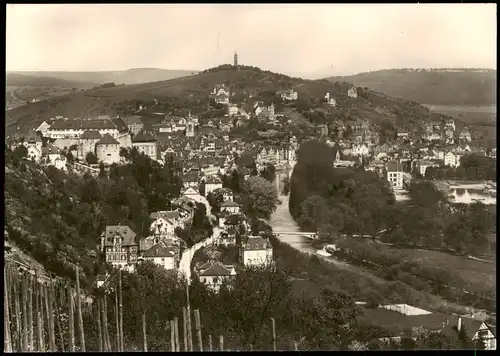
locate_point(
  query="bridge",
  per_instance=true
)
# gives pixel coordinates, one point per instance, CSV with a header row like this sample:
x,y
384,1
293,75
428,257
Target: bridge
x,y
311,235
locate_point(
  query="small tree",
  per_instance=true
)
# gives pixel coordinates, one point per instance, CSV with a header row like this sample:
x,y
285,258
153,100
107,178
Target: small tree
x,y
91,158
102,170
20,151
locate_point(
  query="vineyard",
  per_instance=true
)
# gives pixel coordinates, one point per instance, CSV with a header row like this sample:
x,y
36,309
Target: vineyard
x,y
49,315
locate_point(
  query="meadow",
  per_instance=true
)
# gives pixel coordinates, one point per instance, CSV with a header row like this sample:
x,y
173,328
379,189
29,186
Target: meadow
x,y
471,115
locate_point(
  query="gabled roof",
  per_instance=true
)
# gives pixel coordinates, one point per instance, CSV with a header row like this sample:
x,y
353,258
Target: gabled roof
x,y
143,137
160,250
50,149
107,139
216,269
91,135
394,166
229,204
257,243
213,180
167,215
133,120
191,191
124,231
190,177
77,124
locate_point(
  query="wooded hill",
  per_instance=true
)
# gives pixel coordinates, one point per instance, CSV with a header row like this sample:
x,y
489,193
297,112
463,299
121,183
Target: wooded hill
x,y
193,92
466,87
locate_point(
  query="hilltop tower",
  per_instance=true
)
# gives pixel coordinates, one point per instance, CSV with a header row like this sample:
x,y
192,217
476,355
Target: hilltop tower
x,y
236,59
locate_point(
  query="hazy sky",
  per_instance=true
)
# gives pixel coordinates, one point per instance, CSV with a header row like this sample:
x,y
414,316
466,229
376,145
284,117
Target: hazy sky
x,y
287,38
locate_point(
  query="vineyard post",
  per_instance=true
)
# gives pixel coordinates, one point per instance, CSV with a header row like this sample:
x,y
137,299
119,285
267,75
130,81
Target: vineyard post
x,y
172,336
79,309
120,300
6,314
189,324
106,326
221,343
176,330
24,297
295,346
117,322
50,318
273,324
184,324
144,335
58,317
71,319
198,328
99,326
42,319
30,315
210,346
17,307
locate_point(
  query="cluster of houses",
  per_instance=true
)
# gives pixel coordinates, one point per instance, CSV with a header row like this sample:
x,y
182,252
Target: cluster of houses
x,y
122,248
407,317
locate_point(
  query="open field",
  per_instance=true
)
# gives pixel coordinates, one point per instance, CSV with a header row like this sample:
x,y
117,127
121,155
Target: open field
x,y
471,115
472,271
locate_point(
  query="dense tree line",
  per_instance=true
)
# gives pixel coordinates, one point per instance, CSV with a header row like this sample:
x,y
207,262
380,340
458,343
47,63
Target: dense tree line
x,y
58,217
472,167
336,201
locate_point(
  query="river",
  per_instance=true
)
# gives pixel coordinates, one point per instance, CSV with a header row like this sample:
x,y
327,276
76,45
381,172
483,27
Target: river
x,y
281,220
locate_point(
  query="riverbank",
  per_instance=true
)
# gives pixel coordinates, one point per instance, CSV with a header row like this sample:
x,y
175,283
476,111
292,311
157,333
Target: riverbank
x,y
313,272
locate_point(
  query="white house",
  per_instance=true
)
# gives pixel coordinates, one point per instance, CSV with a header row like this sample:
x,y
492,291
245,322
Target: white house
x,y
360,150
227,194
108,150
395,174
162,226
330,100
212,183
232,109
213,274
44,126
230,207
162,255
256,252
432,136
452,159
352,92
51,153
289,95
33,144
465,135
477,329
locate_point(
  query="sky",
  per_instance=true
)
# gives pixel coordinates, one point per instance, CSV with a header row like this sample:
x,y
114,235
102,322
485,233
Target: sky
x,y
312,39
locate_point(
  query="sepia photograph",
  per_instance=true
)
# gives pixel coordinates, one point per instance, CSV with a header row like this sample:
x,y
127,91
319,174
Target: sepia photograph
x,y
250,177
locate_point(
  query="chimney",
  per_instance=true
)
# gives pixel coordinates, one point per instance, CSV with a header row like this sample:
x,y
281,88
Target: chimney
x,y
459,323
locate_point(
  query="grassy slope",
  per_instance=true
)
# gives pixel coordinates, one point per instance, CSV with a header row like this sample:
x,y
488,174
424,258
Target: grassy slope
x,y
372,107
131,76
22,80
466,88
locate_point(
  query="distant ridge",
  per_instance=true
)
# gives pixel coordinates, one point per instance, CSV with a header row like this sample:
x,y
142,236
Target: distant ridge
x,y
435,86
129,76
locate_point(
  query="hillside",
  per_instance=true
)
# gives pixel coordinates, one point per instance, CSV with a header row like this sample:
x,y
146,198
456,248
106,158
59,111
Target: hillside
x,y
466,87
130,76
194,91
23,80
